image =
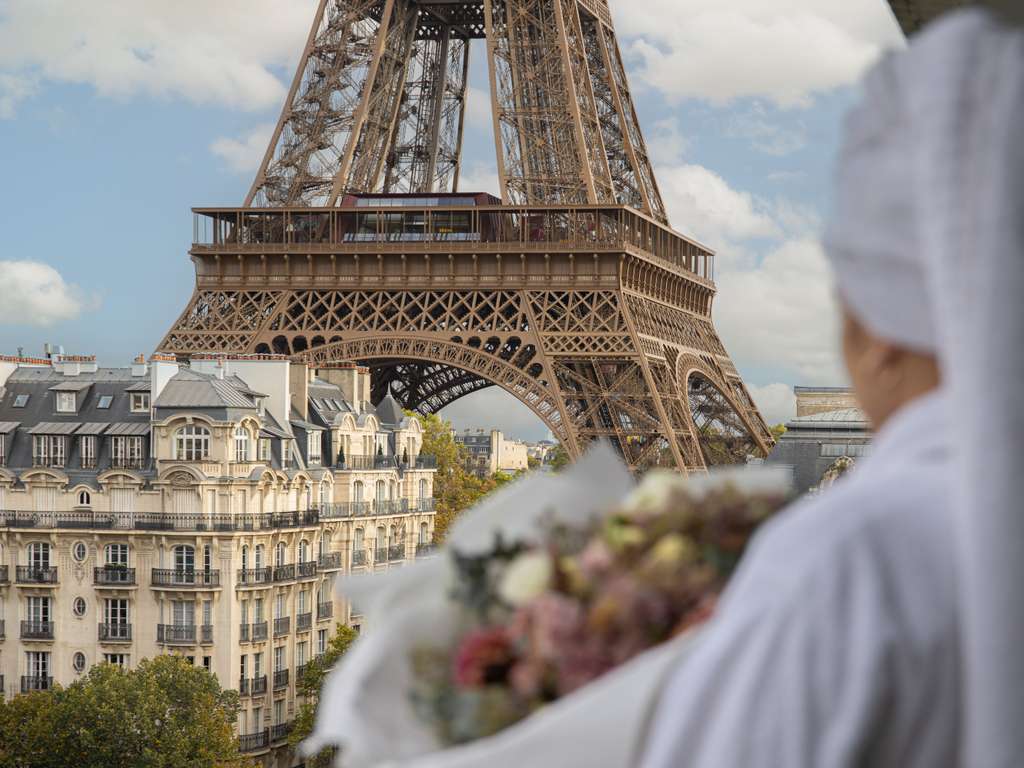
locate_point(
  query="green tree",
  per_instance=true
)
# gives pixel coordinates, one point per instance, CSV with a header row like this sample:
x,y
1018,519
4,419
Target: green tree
x,y
778,431
310,685
455,489
166,713
558,458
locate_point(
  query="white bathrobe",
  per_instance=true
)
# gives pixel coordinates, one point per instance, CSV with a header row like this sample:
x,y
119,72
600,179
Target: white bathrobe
x,y
836,644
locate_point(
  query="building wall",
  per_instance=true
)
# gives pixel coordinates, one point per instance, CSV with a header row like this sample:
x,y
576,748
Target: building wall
x,y
811,401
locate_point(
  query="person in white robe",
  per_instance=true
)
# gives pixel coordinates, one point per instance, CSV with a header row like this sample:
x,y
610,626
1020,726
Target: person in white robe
x,y
882,623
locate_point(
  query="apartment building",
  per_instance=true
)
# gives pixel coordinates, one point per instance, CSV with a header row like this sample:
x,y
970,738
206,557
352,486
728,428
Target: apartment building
x,y
202,510
487,452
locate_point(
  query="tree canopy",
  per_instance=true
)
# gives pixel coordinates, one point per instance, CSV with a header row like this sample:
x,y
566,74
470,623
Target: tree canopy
x,y
166,713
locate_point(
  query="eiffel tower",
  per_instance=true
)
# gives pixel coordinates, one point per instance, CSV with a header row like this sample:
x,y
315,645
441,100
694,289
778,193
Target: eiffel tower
x,y
571,292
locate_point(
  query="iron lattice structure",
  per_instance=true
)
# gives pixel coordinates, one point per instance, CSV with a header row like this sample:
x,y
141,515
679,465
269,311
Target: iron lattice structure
x,y
572,292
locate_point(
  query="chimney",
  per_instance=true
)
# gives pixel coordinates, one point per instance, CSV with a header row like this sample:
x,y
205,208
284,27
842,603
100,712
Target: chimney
x,y
365,386
345,376
298,376
162,368
139,367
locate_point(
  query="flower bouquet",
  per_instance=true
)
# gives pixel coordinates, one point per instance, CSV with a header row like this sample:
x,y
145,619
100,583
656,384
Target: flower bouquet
x,y
543,630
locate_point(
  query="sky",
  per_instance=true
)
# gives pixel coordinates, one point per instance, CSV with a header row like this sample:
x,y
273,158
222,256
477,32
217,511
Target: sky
x,y
113,124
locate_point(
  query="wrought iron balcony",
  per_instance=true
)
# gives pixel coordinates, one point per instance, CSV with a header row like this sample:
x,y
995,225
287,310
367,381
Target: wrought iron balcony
x,y
282,626
329,561
172,577
426,505
259,631
176,634
250,576
115,633
300,671
32,574
358,558
381,555
156,521
303,622
122,462
396,552
36,683
284,573
423,461
253,742
244,686
259,685
37,630
279,732
244,632
113,576
324,611
280,679
306,570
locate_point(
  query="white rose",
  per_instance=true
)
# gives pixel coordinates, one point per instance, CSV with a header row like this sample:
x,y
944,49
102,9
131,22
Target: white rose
x,y
527,577
654,494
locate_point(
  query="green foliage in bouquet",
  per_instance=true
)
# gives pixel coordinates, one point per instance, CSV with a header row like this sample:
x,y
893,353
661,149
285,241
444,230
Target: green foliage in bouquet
x,y
539,623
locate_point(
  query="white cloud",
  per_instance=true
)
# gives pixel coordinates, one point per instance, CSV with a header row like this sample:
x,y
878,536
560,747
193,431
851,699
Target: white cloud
x,y
784,51
246,153
765,136
224,52
13,89
480,178
777,402
494,408
666,142
478,111
33,293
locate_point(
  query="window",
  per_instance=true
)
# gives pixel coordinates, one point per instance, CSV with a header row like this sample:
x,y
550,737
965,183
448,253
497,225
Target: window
x,y
183,613
3,450
207,613
78,662
357,491
303,551
382,491
120,659
301,653
48,451
259,559
192,443
424,533
279,554
315,443
38,609
79,551
207,557
241,445
117,554
263,449
184,558
126,452
303,601
115,611
243,669
245,557
104,404
87,443
207,663
321,641
39,554
279,712
279,606
257,718
424,489
21,401
66,402
257,665
244,610
357,540
279,663
257,612
78,606
140,402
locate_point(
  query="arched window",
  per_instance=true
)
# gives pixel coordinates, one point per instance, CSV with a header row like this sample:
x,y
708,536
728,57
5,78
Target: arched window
x,y
279,554
84,499
184,558
39,554
325,543
241,444
245,557
303,551
192,443
393,495
382,491
357,491
258,558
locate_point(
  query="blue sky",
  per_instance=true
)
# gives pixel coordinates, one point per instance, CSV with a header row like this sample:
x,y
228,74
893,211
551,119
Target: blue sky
x,y
115,125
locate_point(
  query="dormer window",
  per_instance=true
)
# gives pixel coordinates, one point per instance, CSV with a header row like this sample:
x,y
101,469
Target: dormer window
x,y
67,402
140,402
263,449
20,401
315,443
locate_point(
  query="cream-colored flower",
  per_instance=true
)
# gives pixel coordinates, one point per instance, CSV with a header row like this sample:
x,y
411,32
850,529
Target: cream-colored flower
x,y
527,577
654,495
672,550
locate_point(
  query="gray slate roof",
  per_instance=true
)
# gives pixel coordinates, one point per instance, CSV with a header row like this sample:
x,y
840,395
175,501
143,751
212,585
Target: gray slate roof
x,y
189,389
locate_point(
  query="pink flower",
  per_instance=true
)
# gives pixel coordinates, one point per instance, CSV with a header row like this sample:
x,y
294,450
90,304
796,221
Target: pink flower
x,y
484,657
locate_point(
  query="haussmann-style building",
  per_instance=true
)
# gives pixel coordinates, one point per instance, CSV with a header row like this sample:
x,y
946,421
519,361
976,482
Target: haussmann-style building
x,y
202,510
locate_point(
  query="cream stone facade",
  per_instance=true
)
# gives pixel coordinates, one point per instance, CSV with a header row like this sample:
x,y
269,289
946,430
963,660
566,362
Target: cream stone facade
x,y
202,510
490,452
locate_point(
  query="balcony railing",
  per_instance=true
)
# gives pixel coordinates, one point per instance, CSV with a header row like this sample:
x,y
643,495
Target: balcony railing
x,y
303,622
423,461
282,626
157,521
358,558
300,671
396,552
324,611
36,683
284,573
244,686
253,742
280,679
306,570
351,509
115,633
173,577
381,555
37,630
124,462
244,632
113,576
279,732
176,634
251,576
329,561
206,634
32,574
425,550
259,685
259,631
424,505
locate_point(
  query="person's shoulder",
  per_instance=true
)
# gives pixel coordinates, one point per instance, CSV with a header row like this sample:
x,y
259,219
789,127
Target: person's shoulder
x,y
867,522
